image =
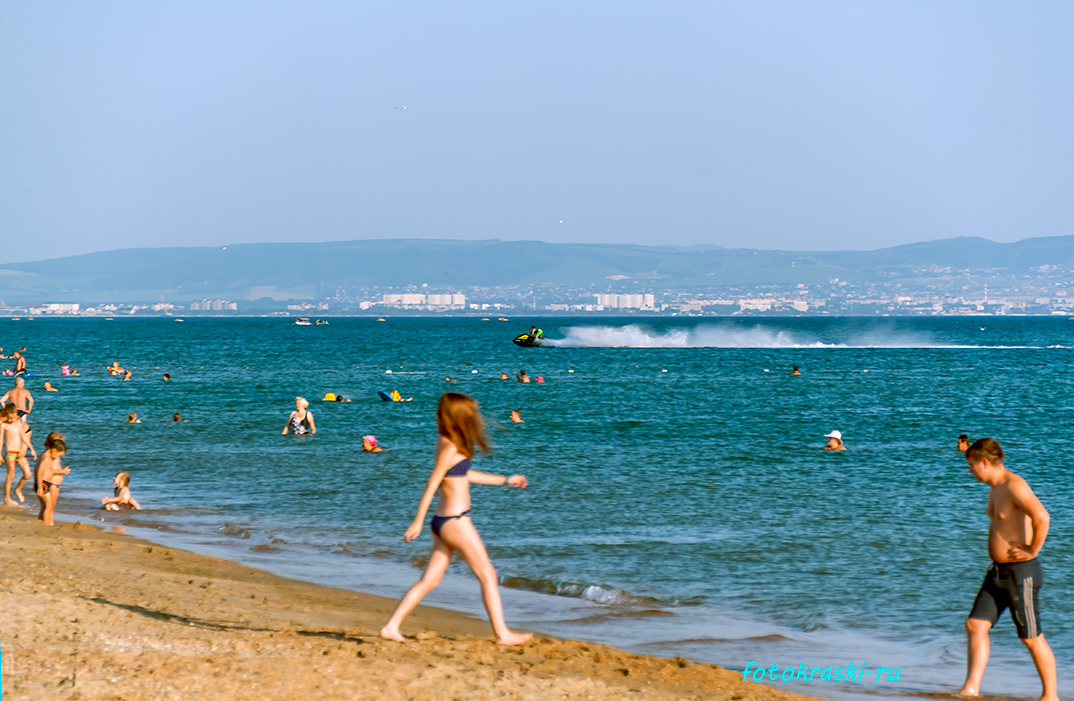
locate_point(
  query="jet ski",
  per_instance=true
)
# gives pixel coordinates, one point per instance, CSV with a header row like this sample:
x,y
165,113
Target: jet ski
x,y
525,341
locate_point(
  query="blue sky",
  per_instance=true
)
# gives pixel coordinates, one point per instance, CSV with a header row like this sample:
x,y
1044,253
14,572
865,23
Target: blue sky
x,y
801,125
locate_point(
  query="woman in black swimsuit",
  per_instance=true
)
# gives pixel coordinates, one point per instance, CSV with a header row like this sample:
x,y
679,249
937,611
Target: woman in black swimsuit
x,y
461,429
300,422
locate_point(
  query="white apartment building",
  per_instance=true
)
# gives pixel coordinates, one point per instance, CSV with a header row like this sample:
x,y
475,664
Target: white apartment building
x,y
56,309
626,301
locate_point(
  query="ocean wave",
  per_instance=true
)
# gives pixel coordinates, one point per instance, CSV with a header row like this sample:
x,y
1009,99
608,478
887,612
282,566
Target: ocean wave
x,y
233,530
596,593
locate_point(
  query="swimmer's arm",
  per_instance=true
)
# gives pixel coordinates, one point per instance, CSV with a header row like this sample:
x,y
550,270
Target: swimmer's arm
x,y
313,426
29,446
29,402
477,477
287,425
4,399
1024,498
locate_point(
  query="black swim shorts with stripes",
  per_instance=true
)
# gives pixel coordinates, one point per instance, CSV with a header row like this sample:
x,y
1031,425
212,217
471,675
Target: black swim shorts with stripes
x,y
1012,585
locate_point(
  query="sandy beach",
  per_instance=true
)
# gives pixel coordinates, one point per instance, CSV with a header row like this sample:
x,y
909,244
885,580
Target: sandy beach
x,y
97,615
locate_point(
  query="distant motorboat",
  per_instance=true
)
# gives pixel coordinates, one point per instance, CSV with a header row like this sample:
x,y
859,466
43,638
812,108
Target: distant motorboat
x,y
302,321
322,322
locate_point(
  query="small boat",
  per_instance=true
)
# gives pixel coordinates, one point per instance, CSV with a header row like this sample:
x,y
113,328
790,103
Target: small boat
x,y
15,318
524,340
322,322
503,318
380,319
178,319
485,319
302,321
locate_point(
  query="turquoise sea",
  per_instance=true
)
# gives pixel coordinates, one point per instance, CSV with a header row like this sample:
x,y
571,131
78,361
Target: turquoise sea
x,y
679,502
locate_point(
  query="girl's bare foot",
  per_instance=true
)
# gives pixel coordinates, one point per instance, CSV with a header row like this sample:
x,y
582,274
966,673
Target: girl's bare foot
x,y
514,638
967,691
10,502
22,499
391,634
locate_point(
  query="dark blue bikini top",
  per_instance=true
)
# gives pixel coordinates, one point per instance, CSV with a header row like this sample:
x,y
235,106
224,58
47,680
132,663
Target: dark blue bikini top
x,y
459,469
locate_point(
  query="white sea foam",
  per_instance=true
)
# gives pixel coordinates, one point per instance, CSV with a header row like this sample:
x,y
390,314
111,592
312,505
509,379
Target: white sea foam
x,y
729,336
738,336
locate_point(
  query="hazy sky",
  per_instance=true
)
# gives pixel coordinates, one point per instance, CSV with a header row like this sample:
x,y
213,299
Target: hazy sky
x,y
798,124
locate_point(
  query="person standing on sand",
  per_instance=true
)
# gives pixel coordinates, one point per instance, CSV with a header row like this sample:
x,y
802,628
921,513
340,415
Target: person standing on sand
x,y
462,429
49,477
1018,525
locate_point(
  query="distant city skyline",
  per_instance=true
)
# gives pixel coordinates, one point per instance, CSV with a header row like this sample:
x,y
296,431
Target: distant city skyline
x,y
828,125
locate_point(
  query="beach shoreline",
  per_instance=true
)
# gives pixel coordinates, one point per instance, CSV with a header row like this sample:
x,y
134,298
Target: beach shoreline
x,y
99,615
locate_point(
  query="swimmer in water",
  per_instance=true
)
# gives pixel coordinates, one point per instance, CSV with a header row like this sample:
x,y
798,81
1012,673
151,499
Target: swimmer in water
x,y
167,377
963,443
369,445
835,441
126,375
522,376
462,430
177,418
300,422
503,376
16,443
49,387
122,498
794,371
516,417
132,418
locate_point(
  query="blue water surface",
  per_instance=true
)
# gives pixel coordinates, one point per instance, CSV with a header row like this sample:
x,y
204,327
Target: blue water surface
x,y
679,502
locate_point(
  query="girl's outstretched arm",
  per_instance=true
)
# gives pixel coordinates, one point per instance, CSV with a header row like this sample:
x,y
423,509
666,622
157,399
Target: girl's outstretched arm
x,y
287,425
313,427
477,477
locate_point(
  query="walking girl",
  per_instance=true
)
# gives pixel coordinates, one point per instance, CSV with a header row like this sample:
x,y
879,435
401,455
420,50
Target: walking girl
x,y
462,429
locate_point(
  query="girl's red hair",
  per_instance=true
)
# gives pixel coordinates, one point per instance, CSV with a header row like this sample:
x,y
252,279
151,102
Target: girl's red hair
x,y
459,420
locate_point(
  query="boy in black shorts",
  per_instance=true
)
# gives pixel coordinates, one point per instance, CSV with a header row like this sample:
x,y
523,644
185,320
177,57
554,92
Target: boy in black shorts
x,y
1018,525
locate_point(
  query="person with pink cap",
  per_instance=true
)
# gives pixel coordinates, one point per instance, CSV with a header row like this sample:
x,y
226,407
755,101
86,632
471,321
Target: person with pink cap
x,y
369,445
835,441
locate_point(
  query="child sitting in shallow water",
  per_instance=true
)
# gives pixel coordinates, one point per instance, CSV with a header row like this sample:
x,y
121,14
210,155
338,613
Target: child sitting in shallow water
x,y
123,498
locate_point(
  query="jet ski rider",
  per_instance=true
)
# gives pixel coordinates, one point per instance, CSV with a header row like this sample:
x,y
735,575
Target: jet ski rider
x,y
536,334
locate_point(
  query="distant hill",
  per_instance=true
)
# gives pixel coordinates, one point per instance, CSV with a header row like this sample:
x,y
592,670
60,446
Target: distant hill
x,y
316,270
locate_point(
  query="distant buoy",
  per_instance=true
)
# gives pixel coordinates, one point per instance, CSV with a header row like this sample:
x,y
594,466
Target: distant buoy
x,y
865,371
663,371
474,372
387,372
766,369
570,371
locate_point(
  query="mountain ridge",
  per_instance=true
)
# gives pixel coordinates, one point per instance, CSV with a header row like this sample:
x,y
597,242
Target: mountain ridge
x,y
316,270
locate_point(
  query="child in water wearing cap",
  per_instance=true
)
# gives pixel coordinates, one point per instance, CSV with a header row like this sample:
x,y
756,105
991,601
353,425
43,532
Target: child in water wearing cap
x,y
369,445
122,498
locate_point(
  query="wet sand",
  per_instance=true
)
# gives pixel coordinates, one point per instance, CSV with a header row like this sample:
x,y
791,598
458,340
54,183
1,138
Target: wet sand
x,y
96,615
